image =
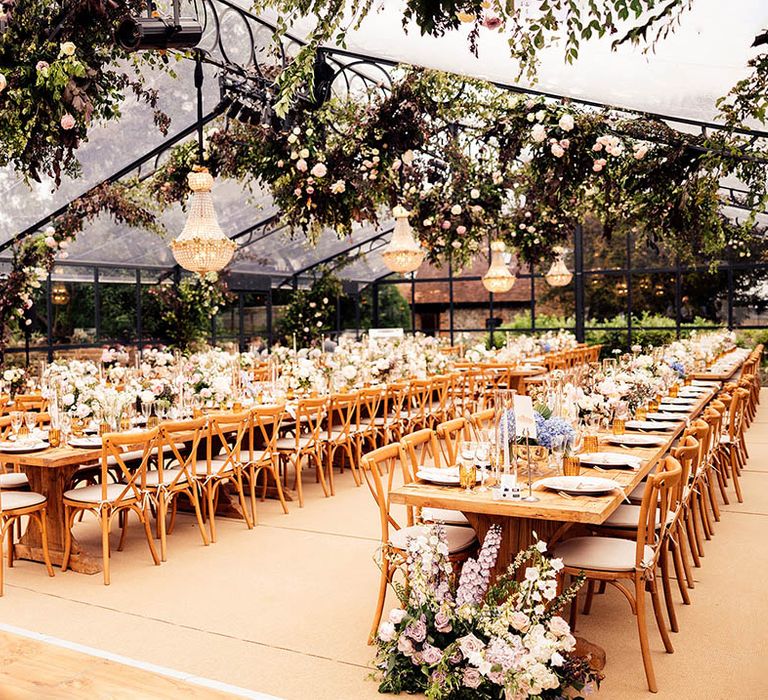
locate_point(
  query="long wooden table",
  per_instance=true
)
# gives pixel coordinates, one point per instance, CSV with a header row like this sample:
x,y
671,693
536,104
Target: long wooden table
x,y
552,515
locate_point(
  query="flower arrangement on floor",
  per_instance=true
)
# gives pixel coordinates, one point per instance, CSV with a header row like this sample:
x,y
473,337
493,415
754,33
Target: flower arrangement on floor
x,y
480,640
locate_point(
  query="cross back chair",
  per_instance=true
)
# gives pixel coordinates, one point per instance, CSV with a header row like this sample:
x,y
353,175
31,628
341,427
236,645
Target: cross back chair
x,y
379,470
15,505
421,449
338,437
621,562
105,500
228,431
174,475
450,434
306,443
369,431
419,405
263,432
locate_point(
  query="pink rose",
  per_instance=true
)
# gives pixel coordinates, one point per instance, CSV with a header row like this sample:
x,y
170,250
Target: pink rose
x,y
67,122
492,22
431,655
446,225
442,622
42,67
396,615
461,230
301,165
417,630
405,646
472,678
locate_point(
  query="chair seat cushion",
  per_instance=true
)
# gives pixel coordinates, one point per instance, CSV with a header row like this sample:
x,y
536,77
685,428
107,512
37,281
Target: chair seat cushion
x,y
443,515
600,553
458,538
13,480
259,457
289,443
92,494
218,466
626,516
169,476
12,500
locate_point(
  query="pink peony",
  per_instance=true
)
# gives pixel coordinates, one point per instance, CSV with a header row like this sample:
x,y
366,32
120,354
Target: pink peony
x,y
67,122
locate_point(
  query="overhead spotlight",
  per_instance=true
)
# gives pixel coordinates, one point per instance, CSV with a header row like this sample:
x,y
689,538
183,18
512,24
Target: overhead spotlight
x,y
148,33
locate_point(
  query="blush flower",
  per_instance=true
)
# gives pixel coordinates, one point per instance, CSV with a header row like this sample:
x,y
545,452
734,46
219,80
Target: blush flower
x,y
319,170
301,165
67,122
566,122
538,133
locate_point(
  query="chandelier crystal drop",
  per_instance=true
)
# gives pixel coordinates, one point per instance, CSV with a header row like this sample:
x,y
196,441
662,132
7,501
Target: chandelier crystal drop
x,y
202,246
559,275
403,254
498,279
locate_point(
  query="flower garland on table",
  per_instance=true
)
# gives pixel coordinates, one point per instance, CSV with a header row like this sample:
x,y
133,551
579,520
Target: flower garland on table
x,y
59,76
474,639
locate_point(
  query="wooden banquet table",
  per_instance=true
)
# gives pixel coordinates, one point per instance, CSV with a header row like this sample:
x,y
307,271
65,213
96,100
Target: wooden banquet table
x,y
552,515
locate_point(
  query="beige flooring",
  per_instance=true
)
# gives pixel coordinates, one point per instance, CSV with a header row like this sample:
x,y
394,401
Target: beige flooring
x,y
285,609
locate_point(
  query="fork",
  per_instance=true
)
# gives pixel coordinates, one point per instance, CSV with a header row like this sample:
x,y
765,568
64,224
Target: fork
x,y
565,495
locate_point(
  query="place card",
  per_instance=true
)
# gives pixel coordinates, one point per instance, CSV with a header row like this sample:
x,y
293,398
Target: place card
x,y
525,424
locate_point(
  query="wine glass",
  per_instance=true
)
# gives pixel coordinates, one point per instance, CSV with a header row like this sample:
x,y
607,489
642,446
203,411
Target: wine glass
x,y
146,409
559,444
30,420
17,419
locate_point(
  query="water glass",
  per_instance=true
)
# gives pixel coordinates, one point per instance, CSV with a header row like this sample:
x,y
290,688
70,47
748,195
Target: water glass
x,y
483,459
30,420
65,425
467,468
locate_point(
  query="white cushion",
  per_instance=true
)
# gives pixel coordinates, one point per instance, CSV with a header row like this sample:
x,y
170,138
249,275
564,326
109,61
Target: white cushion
x,y
458,538
443,515
626,516
129,456
289,443
600,553
13,480
637,492
169,476
10,500
217,465
92,494
259,456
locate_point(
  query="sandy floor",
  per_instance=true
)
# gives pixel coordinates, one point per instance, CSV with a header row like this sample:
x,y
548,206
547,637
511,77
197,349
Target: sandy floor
x,y
285,609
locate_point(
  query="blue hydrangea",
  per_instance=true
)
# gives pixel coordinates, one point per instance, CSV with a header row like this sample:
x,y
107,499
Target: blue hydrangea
x,y
678,367
546,430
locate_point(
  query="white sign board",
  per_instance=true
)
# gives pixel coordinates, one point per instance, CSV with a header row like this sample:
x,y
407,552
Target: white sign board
x,y
525,425
376,334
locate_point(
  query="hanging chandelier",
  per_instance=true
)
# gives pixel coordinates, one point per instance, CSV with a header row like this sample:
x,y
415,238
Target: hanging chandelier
x,y
559,275
498,279
59,295
202,246
403,254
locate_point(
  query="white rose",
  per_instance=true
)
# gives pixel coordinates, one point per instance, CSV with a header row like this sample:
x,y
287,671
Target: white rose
x,y
566,122
408,157
475,193
396,615
304,153
147,396
557,150
3,82
538,133
68,399
8,375
540,115
349,372
292,138
319,170
301,165
386,631
456,209
67,49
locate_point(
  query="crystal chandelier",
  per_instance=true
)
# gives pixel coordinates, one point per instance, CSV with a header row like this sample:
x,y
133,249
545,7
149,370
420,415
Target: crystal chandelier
x,y
403,254
498,279
60,295
202,246
559,275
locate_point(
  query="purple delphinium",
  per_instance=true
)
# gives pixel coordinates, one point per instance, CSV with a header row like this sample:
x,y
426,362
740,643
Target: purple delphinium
x,y
476,573
678,367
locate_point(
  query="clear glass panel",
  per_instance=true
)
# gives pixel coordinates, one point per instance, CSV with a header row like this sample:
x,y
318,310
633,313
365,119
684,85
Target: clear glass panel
x,y
118,313
555,306
605,298
704,299
750,298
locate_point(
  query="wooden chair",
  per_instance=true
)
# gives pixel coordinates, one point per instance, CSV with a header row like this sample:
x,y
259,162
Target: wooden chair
x,y
175,474
306,443
338,437
392,422
369,433
482,420
105,500
450,434
379,469
15,505
264,429
226,430
421,449
616,560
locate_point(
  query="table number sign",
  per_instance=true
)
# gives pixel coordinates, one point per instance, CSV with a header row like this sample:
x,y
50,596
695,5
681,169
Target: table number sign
x,y
525,424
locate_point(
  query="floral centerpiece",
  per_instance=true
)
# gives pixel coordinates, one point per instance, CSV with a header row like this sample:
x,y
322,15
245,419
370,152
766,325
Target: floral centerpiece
x,y
478,639
14,380
117,355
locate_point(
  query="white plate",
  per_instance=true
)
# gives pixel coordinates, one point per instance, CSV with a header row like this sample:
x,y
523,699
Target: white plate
x,y
705,384
446,476
677,408
610,459
579,485
680,401
664,416
648,425
16,448
636,440
85,442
